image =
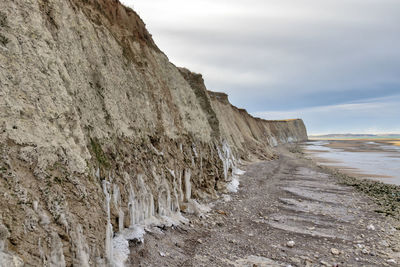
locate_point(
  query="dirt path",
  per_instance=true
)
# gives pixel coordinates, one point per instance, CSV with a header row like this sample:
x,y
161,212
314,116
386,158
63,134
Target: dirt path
x,y
280,202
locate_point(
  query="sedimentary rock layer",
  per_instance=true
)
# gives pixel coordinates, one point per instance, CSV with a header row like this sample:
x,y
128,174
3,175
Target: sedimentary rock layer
x,y
100,133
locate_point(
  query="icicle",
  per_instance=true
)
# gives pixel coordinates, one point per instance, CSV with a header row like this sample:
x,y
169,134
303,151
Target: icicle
x,y
229,162
81,248
188,185
117,203
121,216
175,196
194,150
180,191
225,160
175,200
109,229
132,206
56,255
151,208
109,246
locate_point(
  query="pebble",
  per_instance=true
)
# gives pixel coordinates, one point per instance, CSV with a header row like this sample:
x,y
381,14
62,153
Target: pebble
x,y
324,263
359,246
371,227
335,251
295,260
290,244
365,251
391,261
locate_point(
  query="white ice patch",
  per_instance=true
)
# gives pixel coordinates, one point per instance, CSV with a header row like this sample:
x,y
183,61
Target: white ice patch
x,y
227,198
273,141
233,186
120,244
120,251
194,207
239,171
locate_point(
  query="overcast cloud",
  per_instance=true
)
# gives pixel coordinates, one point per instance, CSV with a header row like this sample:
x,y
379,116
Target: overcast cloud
x,y
334,63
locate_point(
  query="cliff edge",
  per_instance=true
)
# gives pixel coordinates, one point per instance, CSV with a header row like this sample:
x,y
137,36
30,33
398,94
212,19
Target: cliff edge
x,y
100,135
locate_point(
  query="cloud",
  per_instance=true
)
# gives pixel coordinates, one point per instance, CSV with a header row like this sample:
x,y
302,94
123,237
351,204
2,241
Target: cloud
x,y
368,116
282,54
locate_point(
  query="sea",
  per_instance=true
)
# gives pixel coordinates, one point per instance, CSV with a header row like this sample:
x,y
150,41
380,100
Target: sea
x,y
370,159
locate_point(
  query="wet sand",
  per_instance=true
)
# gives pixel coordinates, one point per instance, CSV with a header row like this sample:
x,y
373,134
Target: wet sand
x,y
372,159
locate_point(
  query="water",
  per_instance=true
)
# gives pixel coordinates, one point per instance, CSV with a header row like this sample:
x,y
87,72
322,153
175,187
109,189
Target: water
x,y
377,160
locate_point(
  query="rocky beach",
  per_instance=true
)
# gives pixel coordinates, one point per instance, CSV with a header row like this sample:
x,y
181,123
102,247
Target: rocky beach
x,y
287,212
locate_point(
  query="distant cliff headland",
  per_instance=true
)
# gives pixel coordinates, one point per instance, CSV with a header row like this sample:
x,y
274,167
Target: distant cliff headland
x,y
100,133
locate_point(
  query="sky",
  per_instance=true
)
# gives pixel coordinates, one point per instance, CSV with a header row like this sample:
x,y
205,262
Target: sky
x,y
333,63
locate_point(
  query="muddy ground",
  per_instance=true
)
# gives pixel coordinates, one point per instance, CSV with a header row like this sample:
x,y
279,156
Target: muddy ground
x,y
288,212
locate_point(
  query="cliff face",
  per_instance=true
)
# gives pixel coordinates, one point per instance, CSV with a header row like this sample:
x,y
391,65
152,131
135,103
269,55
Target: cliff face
x,y
254,137
100,133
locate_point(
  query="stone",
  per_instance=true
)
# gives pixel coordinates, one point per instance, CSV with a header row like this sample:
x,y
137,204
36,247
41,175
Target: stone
x,y
324,263
290,244
365,251
295,260
335,251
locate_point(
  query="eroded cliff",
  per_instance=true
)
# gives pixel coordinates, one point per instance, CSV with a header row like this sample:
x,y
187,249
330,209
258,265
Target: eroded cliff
x,y
100,133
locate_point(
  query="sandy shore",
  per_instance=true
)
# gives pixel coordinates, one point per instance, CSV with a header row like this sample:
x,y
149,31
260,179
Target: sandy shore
x,y
287,211
354,163
360,145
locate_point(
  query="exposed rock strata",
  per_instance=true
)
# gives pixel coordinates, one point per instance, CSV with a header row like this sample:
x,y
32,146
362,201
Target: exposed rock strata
x,y
254,136
92,109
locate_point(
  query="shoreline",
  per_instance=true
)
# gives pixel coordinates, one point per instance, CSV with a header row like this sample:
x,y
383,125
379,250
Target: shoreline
x,y
387,196
377,160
